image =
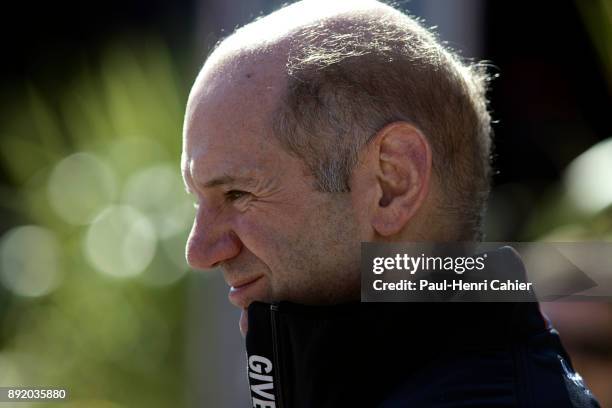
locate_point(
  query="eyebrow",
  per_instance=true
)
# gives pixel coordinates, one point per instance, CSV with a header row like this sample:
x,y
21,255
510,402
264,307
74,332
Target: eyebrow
x,y
227,179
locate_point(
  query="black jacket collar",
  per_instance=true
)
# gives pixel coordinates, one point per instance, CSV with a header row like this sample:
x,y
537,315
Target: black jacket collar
x,y
356,354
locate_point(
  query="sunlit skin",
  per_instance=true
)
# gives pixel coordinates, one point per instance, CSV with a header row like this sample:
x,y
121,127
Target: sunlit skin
x,y
258,215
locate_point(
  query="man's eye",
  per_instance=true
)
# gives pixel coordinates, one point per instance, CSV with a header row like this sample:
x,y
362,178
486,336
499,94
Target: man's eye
x,y
234,195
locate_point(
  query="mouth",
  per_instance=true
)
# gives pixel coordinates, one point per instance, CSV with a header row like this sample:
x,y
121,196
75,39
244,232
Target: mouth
x,y
239,294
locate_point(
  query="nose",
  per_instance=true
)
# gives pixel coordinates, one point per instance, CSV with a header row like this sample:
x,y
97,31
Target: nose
x,y
211,241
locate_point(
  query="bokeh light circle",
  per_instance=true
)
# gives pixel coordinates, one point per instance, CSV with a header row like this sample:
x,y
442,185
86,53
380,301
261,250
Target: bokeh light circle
x,y
121,242
29,261
80,186
158,192
588,178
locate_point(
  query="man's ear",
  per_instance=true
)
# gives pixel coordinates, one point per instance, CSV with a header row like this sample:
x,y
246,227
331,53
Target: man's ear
x,y
403,168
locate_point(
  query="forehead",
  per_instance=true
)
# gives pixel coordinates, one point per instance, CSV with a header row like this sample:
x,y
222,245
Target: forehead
x,y
229,114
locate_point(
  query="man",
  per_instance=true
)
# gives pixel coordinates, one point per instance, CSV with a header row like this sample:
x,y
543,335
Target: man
x,y
331,123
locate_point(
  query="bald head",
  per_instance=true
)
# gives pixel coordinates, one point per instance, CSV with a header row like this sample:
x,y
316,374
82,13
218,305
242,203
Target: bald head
x,y
281,27
259,55
326,76
274,43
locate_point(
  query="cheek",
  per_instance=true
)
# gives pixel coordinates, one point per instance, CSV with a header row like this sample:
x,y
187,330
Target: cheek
x,y
270,224
262,236
274,238
273,247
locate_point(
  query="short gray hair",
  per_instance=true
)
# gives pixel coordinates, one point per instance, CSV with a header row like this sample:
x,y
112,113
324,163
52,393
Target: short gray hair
x,y
347,81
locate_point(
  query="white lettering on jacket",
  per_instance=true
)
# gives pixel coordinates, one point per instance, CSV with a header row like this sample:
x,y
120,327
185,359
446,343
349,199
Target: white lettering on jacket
x,y
260,369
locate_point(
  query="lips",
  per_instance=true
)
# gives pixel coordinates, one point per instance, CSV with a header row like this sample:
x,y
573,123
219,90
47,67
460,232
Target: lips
x,y
240,294
240,283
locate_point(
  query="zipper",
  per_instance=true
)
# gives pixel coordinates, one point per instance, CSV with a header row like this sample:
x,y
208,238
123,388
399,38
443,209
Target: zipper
x,y
274,315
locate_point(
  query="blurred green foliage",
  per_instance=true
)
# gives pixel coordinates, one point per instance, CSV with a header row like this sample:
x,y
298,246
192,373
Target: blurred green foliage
x,y
92,283
597,16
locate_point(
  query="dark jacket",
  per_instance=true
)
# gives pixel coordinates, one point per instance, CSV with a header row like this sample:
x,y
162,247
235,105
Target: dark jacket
x,y
408,355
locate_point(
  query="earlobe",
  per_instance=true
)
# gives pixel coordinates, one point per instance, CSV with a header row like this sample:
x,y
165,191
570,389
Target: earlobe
x,y
403,174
